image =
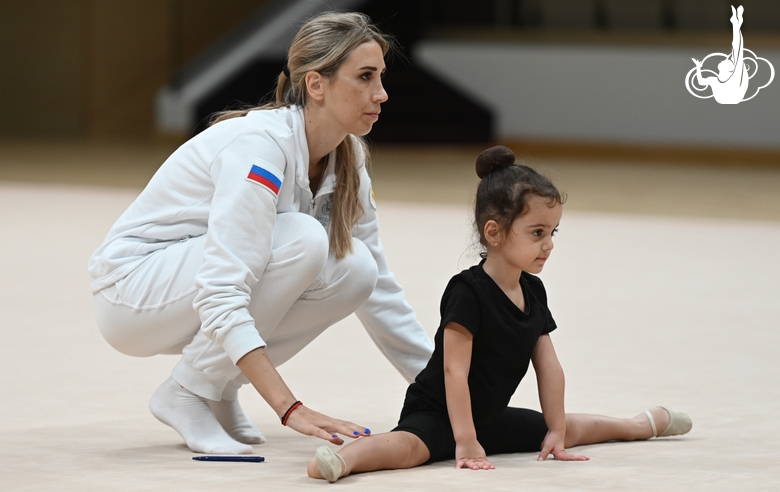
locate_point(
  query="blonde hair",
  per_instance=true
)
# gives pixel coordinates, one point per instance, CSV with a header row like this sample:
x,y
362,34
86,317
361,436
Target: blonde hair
x,y
321,45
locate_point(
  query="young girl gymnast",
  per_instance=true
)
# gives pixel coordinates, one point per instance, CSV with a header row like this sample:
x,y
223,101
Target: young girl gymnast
x,y
494,321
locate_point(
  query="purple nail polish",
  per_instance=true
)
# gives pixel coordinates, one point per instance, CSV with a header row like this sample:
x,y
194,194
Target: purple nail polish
x,y
334,436
356,433
367,431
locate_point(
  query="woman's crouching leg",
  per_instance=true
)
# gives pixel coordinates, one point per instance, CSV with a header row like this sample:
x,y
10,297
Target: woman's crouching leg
x,y
342,286
149,311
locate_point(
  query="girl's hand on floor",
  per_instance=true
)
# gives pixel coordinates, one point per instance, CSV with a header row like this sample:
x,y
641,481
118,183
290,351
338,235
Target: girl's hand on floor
x,y
311,423
553,445
471,455
563,455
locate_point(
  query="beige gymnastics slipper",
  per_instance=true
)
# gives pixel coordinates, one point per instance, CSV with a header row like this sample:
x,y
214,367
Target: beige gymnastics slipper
x,y
679,423
331,465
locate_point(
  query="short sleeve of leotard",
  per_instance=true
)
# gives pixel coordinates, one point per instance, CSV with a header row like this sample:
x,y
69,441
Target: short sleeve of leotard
x,y
460,305
538,291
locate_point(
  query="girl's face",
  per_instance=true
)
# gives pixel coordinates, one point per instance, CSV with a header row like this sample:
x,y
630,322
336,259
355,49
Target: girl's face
x,y
529,241
354,93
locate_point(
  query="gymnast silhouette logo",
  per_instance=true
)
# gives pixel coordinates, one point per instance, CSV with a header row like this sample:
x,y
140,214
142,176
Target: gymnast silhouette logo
x,y
730,84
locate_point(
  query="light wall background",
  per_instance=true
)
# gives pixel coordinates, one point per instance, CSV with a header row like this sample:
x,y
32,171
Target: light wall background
x,y
606,94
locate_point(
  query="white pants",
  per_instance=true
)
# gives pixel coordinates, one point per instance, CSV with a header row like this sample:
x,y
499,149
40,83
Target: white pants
x,y
303,290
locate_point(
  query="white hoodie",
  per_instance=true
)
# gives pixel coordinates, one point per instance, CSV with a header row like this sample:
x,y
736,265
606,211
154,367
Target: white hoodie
x,y
202,188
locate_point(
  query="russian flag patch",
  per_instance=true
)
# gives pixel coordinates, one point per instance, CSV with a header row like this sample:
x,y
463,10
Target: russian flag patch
x,y
266,175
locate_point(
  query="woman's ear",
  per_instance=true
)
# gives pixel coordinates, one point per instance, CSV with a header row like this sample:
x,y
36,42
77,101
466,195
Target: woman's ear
x,y
315,85
492,233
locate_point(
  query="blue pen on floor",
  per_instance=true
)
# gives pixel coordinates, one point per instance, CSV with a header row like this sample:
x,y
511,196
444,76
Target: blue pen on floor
x,y
243,459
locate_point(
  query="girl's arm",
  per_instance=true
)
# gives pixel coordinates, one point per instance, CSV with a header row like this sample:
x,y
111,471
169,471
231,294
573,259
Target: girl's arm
x,y
550,381
457,362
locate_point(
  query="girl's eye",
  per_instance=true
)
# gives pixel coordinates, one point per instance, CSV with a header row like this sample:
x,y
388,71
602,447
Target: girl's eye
x,y
538,233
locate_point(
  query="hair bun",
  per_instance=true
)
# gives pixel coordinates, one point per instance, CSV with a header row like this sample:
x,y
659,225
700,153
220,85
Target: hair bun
x,y
494,158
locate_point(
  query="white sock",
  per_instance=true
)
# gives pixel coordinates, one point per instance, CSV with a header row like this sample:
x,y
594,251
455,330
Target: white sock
x,y
232,418
191,417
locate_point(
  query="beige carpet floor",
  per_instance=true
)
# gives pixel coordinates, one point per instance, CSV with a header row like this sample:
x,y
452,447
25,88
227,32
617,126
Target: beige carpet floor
x,y
656,303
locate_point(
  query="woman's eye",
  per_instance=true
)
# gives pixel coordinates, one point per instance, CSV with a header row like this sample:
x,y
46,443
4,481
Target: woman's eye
x,y
366,76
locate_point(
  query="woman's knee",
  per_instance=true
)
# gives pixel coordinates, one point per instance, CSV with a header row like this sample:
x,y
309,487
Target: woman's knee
x,y
360,273
301,240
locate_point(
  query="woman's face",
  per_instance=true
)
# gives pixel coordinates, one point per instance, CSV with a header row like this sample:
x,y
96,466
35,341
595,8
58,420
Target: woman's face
x,y
354,93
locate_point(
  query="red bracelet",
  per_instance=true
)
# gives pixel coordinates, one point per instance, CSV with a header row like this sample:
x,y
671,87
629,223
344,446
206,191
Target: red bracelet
x,y
289,411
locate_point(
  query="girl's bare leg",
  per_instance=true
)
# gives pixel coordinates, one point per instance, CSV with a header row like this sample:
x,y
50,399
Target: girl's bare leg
x,y
389,451
582,428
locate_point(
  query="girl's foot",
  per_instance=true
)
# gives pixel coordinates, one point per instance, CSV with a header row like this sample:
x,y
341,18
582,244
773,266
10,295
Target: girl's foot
x,y
191,417
664,422
326,464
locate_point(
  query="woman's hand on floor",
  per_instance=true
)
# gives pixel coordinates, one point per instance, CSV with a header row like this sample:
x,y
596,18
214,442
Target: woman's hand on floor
x,y
311,423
